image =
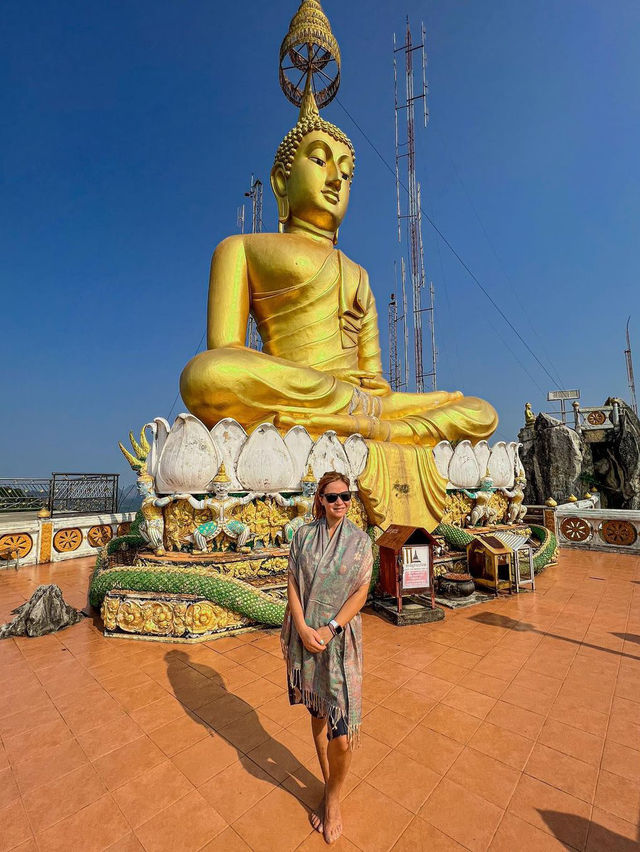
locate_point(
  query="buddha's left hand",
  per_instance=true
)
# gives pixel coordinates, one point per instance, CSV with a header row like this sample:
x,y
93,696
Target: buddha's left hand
x,y
370,382
374,384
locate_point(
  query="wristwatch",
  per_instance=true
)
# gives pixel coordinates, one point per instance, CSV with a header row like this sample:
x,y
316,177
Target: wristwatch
x,y
335,627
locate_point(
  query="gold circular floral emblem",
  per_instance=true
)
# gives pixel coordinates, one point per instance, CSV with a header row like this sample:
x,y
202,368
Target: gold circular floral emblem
x,y
596,418
124,528
575,529
620,533
67,540
100,535
15,545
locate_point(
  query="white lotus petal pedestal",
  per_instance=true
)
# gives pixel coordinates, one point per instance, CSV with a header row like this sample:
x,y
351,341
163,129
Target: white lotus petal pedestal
x,y
209,555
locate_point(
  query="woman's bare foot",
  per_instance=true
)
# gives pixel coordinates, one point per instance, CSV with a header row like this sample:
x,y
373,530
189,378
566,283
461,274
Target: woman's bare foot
x,y
332,828
316,818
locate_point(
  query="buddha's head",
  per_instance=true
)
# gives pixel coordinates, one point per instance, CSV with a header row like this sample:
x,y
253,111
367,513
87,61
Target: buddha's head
x,y
312,173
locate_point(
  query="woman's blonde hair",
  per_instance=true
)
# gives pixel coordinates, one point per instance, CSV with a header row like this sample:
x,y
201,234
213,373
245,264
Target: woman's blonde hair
x,y
327,479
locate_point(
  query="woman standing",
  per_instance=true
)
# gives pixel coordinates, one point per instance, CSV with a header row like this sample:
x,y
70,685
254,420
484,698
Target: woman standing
x,y
330,565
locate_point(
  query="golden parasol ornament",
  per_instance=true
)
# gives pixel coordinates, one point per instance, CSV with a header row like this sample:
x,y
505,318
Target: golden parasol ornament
x,y
310,57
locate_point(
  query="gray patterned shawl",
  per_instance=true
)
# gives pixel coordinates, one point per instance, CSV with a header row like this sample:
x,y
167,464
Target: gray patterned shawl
x,y
328,571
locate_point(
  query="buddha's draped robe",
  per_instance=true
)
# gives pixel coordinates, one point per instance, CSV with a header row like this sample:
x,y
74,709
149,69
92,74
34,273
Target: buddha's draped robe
x,y
319,337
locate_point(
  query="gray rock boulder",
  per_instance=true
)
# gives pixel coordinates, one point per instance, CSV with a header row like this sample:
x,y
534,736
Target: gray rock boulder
x,y
557,461
616,461
44,612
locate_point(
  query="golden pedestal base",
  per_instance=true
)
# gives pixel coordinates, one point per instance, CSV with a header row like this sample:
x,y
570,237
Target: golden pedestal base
x,y
167,617
178,616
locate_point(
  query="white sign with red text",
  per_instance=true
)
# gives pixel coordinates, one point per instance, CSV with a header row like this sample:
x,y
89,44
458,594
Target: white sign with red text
x,y
416,566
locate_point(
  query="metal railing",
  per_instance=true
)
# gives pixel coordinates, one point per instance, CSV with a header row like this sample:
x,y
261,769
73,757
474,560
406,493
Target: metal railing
x,y
23,494
79,493
84,493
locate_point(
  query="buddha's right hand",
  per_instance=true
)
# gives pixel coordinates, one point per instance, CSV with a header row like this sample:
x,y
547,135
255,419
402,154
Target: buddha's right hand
x,y
376,385
371,382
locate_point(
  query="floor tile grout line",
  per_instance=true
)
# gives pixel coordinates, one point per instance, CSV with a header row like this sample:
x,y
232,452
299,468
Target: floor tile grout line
x,y
522,772
600,767
600,628
592,803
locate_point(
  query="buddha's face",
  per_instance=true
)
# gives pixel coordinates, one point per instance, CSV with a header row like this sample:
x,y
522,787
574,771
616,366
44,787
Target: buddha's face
x,y
319,184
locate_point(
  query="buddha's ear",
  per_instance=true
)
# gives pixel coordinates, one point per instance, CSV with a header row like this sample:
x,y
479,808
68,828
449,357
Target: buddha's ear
x,y
279,188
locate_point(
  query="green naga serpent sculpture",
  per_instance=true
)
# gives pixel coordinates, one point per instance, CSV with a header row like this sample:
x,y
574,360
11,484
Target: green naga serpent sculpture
x,y
544,553
147,531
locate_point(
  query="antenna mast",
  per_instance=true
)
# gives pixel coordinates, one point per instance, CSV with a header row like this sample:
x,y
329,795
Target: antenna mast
x,y
630,379
407,151
255,194
394,363
405,337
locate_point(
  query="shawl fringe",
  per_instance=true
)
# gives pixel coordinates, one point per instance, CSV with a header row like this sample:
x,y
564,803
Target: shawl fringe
x,y
322,707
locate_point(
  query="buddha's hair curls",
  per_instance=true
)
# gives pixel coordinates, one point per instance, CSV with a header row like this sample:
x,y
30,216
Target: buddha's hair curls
x,y
289,145
327,479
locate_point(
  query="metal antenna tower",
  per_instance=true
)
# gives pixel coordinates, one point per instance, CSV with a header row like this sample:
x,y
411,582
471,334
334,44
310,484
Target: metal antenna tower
x,y
406,150
405,326
255,194
394,363
630,379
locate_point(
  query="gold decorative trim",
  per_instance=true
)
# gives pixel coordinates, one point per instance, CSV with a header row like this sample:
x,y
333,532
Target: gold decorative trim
x,y
269,566
458,506
157,615
15,545
67,539
46,538
99,535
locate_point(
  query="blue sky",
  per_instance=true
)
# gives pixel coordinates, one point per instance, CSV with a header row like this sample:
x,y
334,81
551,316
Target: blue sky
x,y
130,131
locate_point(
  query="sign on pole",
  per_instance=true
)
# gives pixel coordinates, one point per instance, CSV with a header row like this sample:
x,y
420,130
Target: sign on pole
x,y
563,394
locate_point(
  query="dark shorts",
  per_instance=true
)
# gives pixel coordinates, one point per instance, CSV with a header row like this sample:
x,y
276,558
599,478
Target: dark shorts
x,y
338,730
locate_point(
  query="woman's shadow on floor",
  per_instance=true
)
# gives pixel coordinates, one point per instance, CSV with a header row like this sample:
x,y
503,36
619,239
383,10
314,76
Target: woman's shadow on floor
x,y
224,709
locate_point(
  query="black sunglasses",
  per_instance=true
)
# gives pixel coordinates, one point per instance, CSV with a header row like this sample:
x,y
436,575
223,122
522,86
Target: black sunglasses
x,y
345,496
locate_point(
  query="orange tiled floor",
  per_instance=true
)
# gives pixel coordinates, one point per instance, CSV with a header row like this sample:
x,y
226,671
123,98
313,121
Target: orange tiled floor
x,y
511,726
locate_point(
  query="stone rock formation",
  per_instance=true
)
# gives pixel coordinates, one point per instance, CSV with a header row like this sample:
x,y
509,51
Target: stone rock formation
x,y
555,458
560,461
616,462
44,612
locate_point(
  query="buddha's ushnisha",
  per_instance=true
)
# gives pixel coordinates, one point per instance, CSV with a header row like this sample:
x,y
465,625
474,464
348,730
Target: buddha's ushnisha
x,y
320,364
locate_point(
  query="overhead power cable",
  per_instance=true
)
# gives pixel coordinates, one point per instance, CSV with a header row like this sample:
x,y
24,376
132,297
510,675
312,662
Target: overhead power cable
x,y
178,394
497,256
449,246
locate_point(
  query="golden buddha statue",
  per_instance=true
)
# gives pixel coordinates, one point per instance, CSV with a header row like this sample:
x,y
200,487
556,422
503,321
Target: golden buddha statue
x,y
320,365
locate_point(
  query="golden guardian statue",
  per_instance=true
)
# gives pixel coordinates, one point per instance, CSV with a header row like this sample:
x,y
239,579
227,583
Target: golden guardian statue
x,y
320,365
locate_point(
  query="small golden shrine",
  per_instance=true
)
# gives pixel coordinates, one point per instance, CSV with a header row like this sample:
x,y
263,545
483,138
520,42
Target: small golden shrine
x,y
490,561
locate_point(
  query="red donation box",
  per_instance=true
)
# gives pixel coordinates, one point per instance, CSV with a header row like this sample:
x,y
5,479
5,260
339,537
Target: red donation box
x,y
406,562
